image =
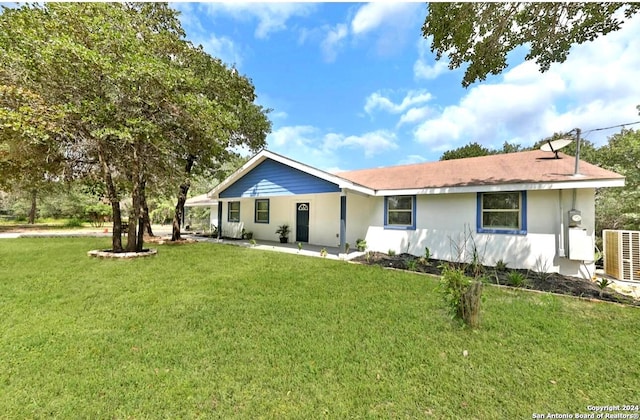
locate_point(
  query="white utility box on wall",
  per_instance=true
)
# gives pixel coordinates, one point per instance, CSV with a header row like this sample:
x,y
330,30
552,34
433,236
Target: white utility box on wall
x,y
580,245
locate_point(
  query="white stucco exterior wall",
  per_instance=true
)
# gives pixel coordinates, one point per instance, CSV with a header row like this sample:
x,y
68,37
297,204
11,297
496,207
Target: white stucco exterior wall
x,y
359,218
442,220
324,218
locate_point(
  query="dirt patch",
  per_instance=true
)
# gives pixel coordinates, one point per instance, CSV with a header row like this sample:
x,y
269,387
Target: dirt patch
x,y
546,282
166,240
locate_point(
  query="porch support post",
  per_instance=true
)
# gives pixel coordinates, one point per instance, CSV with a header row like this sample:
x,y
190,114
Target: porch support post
x,y
219,219
343,220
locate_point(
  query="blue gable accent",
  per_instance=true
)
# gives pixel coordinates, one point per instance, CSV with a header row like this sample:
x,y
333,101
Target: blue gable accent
x,y
271,178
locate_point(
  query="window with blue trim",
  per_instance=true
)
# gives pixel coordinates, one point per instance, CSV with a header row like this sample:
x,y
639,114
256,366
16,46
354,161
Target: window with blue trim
x,y
400,212
262,211
233,211
502,212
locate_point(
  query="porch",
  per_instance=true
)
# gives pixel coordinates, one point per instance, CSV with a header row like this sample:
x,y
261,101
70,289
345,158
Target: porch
x,y
334,253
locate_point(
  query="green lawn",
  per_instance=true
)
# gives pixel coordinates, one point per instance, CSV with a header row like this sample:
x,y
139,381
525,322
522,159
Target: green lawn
x,y
219,331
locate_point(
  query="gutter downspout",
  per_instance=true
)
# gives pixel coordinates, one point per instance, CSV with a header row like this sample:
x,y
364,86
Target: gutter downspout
x,y
343,220
561,252
219,220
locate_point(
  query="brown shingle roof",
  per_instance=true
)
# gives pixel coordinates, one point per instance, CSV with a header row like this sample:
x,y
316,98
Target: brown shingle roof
x,y
513,168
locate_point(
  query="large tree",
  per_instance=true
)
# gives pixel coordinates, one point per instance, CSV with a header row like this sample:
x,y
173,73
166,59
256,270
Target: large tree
x,y
138,99
482,34
619,208
475,149
472,149
244,124
29,157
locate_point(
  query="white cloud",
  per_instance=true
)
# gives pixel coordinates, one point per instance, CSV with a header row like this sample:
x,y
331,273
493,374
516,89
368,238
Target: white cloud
x,y
372,143
189,16
415,115
272,17
279,115
222,47
323,150
371,16
333,41
595,87
378,101
391,23
299,135
411,159
426,67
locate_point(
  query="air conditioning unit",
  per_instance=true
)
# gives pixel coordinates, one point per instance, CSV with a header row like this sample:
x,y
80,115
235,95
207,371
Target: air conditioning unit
x,y
622,254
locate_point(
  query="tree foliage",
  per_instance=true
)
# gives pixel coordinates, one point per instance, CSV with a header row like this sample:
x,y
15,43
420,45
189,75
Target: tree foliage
x,y
474,149
137,102
482,34
470,150
619,208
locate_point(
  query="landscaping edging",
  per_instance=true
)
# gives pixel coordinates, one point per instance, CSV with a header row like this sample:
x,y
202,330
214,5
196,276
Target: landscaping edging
x,y
107,253
543,282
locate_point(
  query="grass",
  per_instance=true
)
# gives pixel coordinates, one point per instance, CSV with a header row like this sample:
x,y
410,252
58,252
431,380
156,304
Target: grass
x,y
219,331
42,224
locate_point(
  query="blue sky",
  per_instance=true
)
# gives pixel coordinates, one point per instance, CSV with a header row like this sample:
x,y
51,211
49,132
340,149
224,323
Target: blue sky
x,y
354,85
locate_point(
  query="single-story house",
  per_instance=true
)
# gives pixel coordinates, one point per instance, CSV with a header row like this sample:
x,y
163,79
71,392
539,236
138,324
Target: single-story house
x,y
529,209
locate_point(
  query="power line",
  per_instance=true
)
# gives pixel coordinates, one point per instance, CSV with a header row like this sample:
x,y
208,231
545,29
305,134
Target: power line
x,y
609,128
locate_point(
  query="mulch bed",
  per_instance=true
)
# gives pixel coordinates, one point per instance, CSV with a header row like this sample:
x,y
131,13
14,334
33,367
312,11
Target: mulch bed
x,y
166,240
546,282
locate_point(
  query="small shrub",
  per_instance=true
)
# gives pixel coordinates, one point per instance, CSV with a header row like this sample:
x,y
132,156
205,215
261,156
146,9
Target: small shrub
x,y
247,235
462,295
517,279
477,269
486,279
391,253
253,242
412,265
347,247
361,244
602,283
73,223
427,253
299,246
542,268
323,252
367,256
501,265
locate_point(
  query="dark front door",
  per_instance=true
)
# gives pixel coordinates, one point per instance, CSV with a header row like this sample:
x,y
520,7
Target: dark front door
x,y
302,222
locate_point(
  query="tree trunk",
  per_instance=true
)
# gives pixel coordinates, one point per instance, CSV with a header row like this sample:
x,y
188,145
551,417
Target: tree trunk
x,y
143,200
182,198
471,304
134,241
116,237
32,210
145,214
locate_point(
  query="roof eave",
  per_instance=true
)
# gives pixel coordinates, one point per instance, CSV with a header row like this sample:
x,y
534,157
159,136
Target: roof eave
x,y
529,186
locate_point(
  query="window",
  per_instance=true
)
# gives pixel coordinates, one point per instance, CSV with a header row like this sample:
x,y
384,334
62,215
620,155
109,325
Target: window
x,y
233,214
502,212
262,211
400,212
